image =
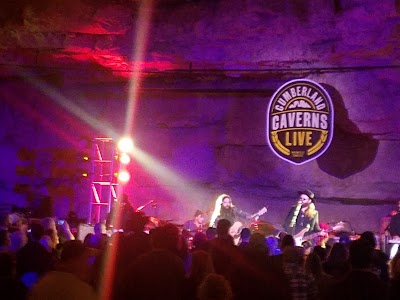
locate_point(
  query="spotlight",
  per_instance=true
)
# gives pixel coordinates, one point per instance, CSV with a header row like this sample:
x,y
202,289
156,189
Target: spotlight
x,y
125,144
124,176
124,158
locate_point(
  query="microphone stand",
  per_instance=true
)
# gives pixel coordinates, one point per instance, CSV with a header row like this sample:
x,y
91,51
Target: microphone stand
x,y
294,218
155,208
140,208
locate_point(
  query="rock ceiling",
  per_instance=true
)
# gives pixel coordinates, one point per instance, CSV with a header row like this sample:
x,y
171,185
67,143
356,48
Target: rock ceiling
x,y
119,37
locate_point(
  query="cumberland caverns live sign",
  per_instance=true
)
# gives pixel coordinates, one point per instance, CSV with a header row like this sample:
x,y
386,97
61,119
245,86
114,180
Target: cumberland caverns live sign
x,y
300,121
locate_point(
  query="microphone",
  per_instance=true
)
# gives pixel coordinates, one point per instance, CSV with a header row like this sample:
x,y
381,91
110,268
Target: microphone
x,y
140,208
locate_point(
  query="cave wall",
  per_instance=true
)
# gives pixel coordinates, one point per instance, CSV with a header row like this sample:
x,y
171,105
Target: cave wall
x,y
208,71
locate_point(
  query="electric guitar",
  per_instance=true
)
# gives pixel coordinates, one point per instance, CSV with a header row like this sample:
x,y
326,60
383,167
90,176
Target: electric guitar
x,y
237,227
299,237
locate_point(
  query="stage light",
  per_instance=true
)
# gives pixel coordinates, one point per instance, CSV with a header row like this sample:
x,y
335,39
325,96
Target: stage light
x,y
125,144
124,158
124,176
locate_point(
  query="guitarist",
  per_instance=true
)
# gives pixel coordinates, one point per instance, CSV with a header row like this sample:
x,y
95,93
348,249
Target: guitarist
x,y
224,209
302,219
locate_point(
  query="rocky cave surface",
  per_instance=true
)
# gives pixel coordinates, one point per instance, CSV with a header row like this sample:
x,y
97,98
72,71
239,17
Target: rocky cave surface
x,y
203,72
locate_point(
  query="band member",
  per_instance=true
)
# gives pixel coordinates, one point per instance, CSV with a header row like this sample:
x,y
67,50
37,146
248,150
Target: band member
x,y
394,224
302,219
224,209
394,231
118,215
196,224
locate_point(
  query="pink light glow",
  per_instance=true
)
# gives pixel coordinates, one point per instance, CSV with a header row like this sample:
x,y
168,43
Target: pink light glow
x,y
143,24
44,121
124,158
124,176
140,42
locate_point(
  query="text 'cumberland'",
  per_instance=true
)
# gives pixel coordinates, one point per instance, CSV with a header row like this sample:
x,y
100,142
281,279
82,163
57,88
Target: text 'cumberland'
x,y
300,121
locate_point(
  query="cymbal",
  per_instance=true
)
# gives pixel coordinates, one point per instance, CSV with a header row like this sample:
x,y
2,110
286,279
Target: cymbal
x,y
342,227
260,222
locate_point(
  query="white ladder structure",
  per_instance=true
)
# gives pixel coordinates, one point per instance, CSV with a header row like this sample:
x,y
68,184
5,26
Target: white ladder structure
x,y
104,181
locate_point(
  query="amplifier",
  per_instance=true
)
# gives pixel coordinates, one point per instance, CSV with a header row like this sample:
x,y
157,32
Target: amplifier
x,y
83,231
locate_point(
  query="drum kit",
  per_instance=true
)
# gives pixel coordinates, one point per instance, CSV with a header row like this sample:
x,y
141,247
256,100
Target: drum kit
x,y
264,228
342,226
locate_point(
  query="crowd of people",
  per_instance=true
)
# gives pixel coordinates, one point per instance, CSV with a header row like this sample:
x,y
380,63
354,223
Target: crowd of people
x,y
44,260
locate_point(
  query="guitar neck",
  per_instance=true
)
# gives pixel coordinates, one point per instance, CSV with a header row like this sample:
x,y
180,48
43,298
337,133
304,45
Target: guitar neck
x,y
313,235
310,236
255,215
259,213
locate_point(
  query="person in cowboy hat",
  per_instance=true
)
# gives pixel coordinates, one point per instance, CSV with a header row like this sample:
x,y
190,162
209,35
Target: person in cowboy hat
x,y
303,218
